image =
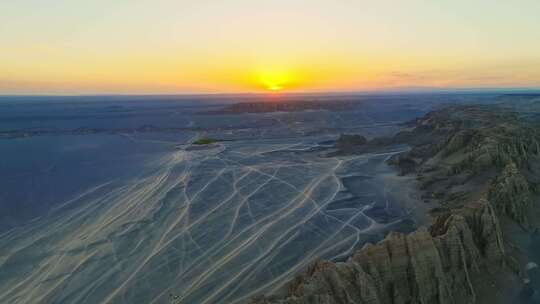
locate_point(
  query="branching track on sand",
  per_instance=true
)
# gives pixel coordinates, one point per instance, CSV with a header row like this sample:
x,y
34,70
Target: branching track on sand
x,y
211,226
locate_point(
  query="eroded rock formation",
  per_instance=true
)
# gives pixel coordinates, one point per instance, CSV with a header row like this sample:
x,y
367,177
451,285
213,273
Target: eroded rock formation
x,y
426,266
471,161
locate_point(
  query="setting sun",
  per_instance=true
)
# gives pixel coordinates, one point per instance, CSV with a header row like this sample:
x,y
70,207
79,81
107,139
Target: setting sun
x,y
275,80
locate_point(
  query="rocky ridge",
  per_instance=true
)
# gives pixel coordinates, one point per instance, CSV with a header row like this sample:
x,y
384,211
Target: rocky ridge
x,y
472,163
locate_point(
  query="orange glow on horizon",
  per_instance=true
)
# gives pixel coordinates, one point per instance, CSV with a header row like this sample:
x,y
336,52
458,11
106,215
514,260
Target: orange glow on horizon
x,y
241,46
275,80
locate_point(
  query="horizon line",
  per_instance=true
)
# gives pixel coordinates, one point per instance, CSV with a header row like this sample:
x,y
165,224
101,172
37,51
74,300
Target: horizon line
x,y
419,90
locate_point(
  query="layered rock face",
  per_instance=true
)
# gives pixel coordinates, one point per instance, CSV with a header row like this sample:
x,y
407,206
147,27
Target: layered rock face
x,y
434,266
471,160
511,193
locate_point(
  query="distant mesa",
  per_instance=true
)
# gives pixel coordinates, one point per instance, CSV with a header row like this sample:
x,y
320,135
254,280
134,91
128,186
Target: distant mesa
x,y
285,106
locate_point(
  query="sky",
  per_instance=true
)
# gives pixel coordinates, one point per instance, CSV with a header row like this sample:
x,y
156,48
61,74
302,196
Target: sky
x,y
237,46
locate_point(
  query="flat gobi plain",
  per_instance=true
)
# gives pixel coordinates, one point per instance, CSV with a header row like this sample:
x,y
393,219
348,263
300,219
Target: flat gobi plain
x,y
412,198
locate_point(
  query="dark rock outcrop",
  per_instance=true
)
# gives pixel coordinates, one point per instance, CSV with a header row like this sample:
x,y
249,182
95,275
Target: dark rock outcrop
x,y
404,163
348,143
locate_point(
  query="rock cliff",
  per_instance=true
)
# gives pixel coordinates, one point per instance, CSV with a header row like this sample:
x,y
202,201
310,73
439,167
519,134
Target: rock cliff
x,y
471,162
435,266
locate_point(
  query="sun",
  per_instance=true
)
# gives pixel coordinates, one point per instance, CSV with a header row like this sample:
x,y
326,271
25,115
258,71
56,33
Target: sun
x,y
274,80
275,87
